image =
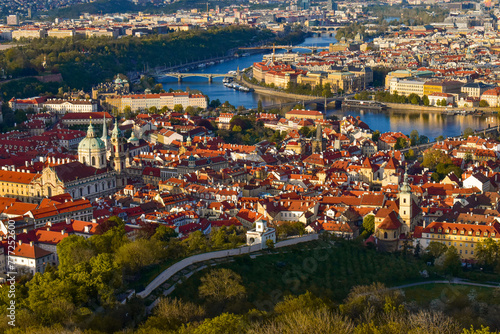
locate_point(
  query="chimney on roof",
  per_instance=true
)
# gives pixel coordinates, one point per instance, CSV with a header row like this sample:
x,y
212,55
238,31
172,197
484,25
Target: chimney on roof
x,y
68,220
20,242
63,231
31,243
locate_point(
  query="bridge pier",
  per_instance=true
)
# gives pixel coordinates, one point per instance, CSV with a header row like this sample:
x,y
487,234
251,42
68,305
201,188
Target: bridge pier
x,y
179,78
210,79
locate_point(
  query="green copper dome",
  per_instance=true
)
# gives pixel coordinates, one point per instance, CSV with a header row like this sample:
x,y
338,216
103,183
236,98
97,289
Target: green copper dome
x,y
91,142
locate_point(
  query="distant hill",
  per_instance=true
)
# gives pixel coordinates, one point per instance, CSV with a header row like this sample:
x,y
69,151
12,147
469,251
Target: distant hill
x,y
124,6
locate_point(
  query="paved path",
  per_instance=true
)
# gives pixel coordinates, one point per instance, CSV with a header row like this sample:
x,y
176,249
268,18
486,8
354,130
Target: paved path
x,y
452,281
181,265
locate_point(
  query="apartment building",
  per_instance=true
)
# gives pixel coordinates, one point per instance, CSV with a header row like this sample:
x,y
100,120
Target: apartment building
x,y
407,86
463,236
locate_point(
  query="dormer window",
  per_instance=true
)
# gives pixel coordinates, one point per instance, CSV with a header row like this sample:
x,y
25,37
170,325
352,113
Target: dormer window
x,y
432,229
455,231
478,233
485,234
462,232
470,232
440,230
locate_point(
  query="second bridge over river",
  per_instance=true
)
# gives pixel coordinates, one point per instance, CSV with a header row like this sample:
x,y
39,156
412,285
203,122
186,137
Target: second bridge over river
x,y
209,76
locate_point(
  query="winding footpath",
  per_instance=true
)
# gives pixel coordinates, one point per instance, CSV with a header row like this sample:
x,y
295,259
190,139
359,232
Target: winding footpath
x,y
456,281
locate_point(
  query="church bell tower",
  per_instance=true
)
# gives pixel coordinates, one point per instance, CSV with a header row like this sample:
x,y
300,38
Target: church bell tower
x,y
118,156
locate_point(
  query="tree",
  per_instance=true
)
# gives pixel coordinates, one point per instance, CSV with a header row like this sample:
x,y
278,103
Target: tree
x,y
375,297
440,138
434,157
423,140
164,233
221,286
375,135
304,131
449,262
72,251
369,223
425,100
140,253
400,143
158,88
270,244
414,137
236,128
218,237
433,251
127,111
291,304
259,106
483,103
410,155
178,108
488,253
225,323
170,314
468,132
414,100
191,110
197,242
215,103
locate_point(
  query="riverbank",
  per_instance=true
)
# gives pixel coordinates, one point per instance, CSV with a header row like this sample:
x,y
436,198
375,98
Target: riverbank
x,y
429,109
271,92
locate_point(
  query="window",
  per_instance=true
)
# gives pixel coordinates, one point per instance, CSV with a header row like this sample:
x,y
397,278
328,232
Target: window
x,y
385,235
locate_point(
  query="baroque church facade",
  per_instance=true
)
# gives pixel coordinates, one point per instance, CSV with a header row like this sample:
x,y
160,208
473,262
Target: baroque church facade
x,y
99,171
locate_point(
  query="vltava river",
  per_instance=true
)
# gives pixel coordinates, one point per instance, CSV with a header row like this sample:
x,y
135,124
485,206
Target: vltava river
x,y
431,125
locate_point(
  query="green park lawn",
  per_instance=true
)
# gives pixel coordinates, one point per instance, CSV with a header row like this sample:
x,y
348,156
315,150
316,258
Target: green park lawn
x,y
424,294
322,268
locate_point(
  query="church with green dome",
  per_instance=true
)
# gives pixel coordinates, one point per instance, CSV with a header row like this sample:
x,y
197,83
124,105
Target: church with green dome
x,y
99,171
92,150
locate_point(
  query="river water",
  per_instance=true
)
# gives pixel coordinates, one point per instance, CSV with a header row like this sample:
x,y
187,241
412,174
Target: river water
x,y
431,125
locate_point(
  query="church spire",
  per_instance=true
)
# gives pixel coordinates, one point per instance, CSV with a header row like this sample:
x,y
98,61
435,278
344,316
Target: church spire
x,y
104,129
115,133
90,130
319,132
405,187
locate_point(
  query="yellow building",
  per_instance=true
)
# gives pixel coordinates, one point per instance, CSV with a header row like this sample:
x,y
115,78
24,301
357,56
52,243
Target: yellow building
x,y
397,74
29,33
463,236
311,78
18,185
344,80
304,114
449,87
